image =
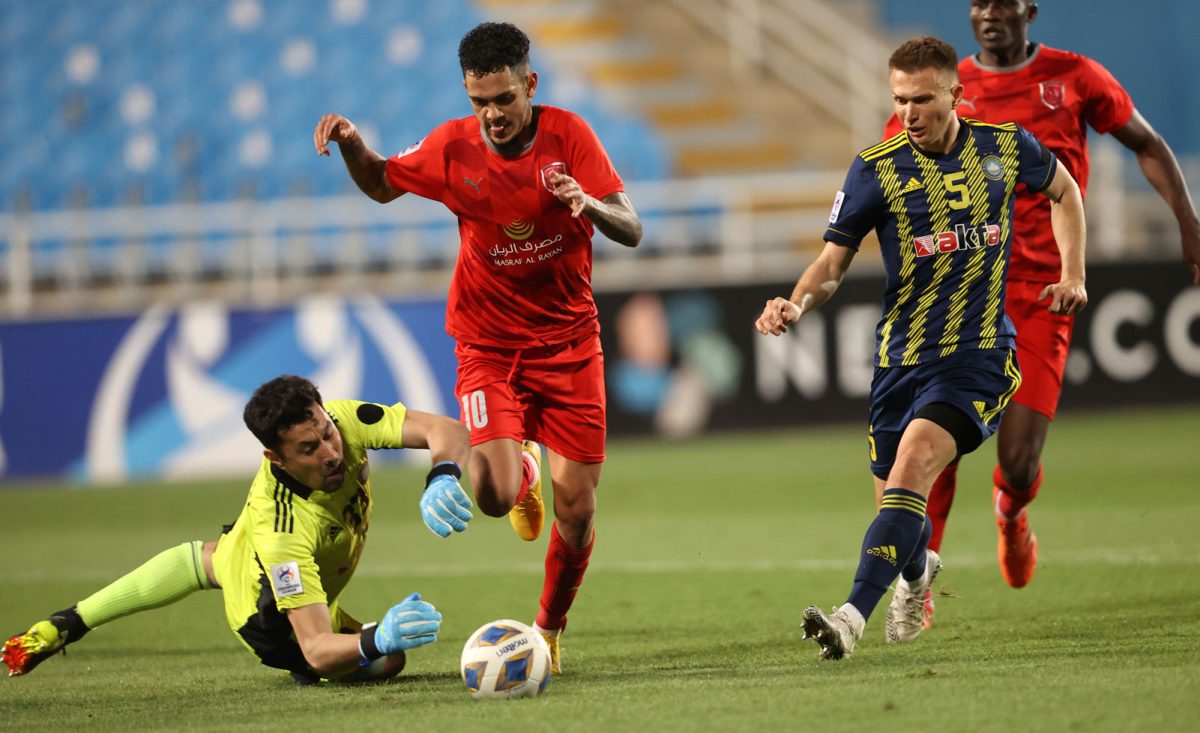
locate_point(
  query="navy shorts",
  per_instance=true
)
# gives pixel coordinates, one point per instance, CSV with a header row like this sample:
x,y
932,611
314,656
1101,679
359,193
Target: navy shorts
x,y
978,382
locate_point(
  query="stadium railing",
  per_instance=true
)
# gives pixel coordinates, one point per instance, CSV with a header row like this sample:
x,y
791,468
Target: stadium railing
x,y
696,230
819,52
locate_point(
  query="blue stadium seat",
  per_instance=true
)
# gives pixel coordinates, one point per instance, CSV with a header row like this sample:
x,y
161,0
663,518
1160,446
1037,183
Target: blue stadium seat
x,y
74,132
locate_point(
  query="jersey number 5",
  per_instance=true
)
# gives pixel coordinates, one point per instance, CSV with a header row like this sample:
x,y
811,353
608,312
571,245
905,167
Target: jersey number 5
x,y
956,186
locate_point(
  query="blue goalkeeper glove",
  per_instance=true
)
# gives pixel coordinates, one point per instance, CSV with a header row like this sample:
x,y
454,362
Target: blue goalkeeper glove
x,y
407,625
445,507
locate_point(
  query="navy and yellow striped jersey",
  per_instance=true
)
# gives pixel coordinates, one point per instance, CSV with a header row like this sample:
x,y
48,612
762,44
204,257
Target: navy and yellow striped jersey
x,y
944,223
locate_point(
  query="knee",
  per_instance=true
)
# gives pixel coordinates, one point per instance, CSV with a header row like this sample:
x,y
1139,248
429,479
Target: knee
x,y
576,511
915,469
494,494
491,503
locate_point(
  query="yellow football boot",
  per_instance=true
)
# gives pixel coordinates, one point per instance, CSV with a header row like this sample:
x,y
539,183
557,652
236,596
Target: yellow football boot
x,y
528,515
551,638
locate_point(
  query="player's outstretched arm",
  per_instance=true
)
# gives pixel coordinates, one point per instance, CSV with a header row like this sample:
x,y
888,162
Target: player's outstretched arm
x,y
367,168
1068,295
816,286
613,215
407,625
445,506
1161,169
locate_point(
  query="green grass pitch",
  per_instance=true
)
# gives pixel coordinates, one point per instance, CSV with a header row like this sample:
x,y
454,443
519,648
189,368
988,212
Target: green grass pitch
x,y
689,619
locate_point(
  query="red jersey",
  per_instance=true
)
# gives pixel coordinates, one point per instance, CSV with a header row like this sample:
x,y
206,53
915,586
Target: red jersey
x,y
524,269
1055,95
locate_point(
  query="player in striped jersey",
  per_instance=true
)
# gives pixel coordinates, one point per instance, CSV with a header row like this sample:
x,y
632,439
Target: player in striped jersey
x,y
284,563
1057,95
940,198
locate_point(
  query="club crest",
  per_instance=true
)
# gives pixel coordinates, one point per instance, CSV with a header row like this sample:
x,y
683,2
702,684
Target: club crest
x,y
993,168
558,167
1053,93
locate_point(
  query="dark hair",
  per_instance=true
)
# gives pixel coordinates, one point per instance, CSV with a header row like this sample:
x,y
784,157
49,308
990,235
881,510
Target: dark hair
x,y
278,405
491,47
924,52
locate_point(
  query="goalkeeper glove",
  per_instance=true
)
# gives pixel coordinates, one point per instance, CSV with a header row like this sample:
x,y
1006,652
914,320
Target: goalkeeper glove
x,y
407,625
444,505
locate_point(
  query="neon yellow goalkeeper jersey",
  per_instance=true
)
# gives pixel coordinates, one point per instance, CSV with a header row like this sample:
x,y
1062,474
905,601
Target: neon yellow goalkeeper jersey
x,y
293,546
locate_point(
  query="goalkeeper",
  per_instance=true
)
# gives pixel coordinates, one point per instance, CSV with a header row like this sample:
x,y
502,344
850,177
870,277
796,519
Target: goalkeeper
x,y
285,561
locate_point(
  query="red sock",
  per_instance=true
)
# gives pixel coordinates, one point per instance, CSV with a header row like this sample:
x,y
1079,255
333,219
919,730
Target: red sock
x,y
1012,501
526,478
941,496
565,566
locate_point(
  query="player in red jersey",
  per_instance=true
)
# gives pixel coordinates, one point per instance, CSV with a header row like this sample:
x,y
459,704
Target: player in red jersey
x,y
528,183
1055,95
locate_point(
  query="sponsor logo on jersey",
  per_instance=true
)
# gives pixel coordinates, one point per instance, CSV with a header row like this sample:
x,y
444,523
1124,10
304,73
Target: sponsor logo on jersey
x,y
912,185
837,207
993,168
518,229
1053,93
286,579
961,237
969,102
558,167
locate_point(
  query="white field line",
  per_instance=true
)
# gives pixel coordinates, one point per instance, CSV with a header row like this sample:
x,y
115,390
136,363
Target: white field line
x,y
1070,558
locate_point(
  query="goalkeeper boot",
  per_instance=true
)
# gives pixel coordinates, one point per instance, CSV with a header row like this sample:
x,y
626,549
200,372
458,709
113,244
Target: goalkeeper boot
x,y
44,639
836,633
1018,548
551,636
528,515
906,615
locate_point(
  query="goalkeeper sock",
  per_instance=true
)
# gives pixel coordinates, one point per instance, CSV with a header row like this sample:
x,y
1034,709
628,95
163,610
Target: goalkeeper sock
x,y
565,566
896,533
1012,501
163,579
941,497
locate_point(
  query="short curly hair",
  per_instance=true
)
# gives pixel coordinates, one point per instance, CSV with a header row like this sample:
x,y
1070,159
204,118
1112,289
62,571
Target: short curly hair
x,y
278,405
924,52
492,47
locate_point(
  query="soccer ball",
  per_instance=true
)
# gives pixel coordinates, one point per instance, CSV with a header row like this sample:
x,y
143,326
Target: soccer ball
x,y
505,659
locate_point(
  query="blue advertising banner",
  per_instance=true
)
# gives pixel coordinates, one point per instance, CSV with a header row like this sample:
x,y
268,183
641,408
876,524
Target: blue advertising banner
x,y
161,394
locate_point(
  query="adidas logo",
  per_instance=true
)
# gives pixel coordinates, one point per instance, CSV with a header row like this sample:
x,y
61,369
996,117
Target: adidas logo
x,y
979,407
912,185
887,552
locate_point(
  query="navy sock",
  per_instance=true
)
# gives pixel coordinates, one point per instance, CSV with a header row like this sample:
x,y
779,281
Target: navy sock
x,y
890,541
916,564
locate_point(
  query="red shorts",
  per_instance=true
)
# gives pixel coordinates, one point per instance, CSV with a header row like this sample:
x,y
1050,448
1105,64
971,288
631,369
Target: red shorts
x,y
550,394
1043,340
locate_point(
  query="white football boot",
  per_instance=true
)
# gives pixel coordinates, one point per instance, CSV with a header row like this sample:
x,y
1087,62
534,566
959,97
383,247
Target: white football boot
x,y
906,614
836,633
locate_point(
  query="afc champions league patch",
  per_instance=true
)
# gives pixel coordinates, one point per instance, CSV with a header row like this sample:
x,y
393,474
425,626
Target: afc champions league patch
x,y
993,168
837,207
411,148
285,578
558,167
1053,93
